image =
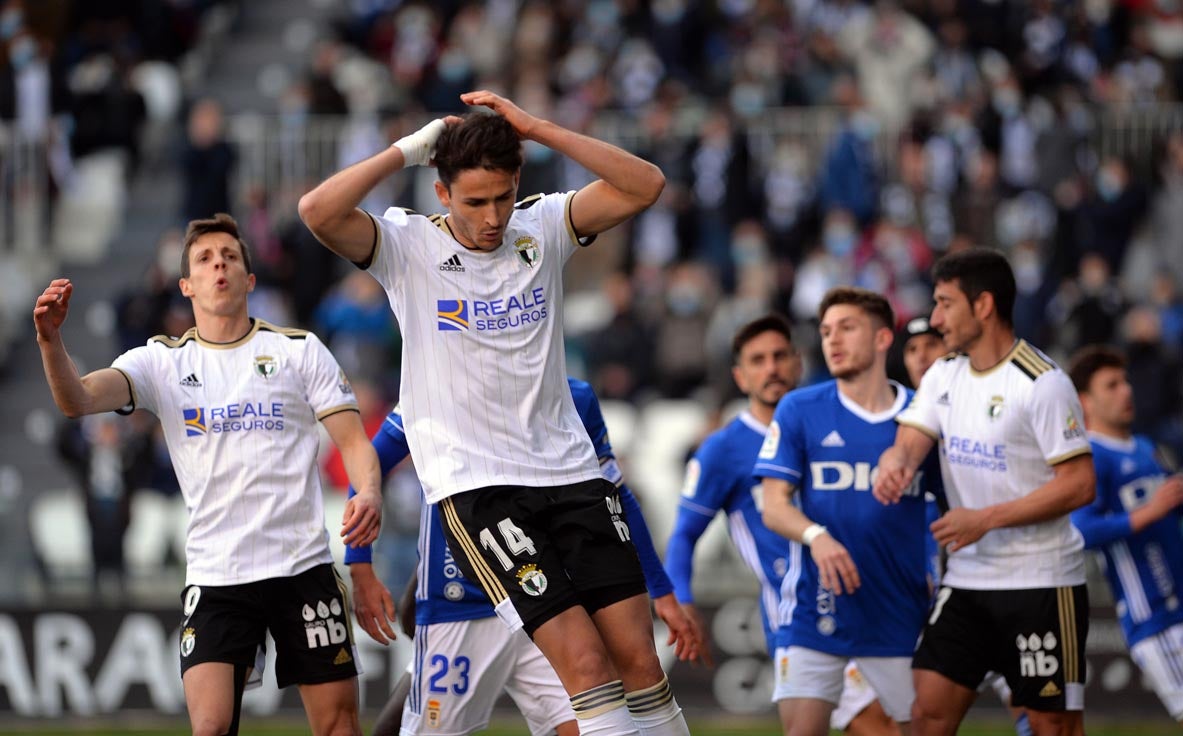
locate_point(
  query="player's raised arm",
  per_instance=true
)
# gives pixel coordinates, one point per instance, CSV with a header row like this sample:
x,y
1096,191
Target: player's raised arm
x,y
331,210
626,186
103,390
835,567
898,463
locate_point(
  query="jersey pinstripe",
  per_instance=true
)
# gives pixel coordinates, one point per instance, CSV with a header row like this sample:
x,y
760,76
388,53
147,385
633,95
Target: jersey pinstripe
x,y
484,381
1000,433
240,423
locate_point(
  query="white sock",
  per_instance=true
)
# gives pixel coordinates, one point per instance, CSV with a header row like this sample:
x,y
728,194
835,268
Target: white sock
x,y
655,711
600,711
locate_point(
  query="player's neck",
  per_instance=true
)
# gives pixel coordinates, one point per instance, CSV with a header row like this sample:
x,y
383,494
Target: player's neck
x,y
870,390
989,349
222,328
761,411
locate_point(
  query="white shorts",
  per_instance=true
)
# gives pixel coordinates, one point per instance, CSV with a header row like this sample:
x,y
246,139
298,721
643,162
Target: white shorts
x,y
1160,657
851,684
459,670
997,683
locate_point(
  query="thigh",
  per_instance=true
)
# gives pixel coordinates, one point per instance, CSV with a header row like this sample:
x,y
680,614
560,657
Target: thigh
x,y
958,640
535,688
221,624
332,707
459,669
1160,657
809,674
891,679
500,539
309,620
1043,631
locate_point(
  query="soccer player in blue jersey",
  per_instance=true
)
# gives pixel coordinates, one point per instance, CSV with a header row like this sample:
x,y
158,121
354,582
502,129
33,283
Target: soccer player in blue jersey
x,y
861,593
1134,522
464,657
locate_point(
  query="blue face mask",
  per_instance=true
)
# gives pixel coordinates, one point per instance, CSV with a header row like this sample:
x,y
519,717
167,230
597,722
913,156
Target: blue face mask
x,y
10,22
864,125
1108,187
21,52
839,241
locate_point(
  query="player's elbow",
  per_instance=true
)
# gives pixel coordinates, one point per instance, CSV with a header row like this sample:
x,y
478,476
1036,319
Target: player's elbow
x,y
314,212
1084,488
650,185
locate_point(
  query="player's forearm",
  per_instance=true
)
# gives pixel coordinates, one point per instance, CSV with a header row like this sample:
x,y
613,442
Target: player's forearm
x,y
780,515
74,395
634,177
361,465
1069,490
1099,528
329,205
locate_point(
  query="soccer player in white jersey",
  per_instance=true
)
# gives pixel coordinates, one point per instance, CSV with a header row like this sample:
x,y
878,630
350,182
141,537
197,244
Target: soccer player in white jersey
x,y
861,591
478,295
238,400
1015,462
1134,523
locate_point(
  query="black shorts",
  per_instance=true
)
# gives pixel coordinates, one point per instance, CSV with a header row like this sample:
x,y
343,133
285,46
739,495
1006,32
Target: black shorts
x,y
1034,638
538,551
308,615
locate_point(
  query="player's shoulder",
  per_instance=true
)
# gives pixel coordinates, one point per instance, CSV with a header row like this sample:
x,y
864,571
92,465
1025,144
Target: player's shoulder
x,y
528,202
581,391
172,343
1031,362
292,333
720,442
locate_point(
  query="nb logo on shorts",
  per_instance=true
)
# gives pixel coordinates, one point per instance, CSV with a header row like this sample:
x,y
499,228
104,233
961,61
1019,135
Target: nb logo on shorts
x,y
322,625
1034,659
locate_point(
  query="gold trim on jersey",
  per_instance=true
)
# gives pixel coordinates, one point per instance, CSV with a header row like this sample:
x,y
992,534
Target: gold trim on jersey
x,y
175,342
438,220
1005,359
131,389
919,427
345,603
255,327
293,332
336,410
571,224
486,578
1086,450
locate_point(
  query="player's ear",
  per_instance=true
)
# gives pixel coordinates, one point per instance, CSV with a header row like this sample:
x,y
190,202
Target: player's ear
x,y
983,306
442,192
737,376
186,288
250,282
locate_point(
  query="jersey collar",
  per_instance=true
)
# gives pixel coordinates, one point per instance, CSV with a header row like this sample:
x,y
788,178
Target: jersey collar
x,y
901,398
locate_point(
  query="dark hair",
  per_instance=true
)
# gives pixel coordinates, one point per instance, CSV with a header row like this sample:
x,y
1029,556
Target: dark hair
x,y
873,303
1090,359
977,271
219,223
749,332
479,141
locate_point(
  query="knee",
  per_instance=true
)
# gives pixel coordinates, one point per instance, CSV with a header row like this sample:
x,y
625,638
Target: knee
x,y
639,668
590,668
929,718
207,726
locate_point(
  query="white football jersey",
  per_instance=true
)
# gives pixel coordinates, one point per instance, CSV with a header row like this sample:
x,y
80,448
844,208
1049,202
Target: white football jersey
x,y
1000,432
484,378
240,423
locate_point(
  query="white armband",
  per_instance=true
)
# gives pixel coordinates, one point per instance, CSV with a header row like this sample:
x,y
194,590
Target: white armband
x,y
812,532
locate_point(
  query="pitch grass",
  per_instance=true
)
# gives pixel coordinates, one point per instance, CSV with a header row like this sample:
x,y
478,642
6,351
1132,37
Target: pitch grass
x,y
1096,727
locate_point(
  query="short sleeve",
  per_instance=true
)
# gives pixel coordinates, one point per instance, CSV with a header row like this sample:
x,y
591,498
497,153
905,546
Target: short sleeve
x,y
394,232
1056,418
783,453
138,367
329,390
704,488
921,412
553,214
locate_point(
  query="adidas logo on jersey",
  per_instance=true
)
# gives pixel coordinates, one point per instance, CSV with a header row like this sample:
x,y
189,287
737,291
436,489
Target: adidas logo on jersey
x,y
833,439
943,399
452,264
191,381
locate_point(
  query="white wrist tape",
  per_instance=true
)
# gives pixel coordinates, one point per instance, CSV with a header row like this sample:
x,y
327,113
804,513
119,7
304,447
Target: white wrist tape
x,y
419,147
812,532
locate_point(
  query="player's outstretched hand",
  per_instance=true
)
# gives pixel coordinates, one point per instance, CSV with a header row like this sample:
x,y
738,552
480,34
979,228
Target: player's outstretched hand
x,y
362,520
893,478
1167,497
522,121
685,636
51,309
959,527
704,636
834,565
372,604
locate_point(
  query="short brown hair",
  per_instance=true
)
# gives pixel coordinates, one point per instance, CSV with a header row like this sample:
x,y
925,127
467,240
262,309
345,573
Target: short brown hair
x,y
1090,359
219,223
479,141
873,303
767,323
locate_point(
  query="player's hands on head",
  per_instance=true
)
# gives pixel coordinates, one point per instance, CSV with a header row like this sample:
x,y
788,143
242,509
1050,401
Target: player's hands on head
x,y
835,567
893,477
372,604
685,636
522,121
958,527
418,148
51,308
362,520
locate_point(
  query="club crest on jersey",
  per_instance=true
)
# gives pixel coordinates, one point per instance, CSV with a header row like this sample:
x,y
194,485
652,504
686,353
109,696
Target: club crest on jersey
x,y
433,713
266,366
453,591
527,249
452,315
188,641
532,580
194,422
994,410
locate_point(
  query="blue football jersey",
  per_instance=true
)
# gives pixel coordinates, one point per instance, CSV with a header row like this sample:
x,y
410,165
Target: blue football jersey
x,y
1144,569
719,478
443,593
828,448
